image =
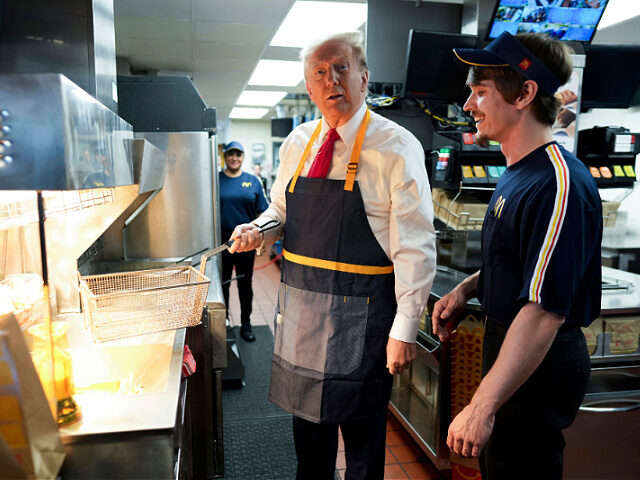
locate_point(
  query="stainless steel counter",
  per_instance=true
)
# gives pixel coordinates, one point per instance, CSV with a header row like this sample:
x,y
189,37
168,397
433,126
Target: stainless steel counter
x,y
446,280
620,292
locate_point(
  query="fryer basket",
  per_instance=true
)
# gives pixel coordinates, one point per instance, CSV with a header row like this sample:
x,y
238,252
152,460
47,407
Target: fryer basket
x,y
120,305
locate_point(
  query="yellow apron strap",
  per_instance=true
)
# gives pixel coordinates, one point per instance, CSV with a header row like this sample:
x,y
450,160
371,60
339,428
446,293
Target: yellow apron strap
x,y
336,266
352,167
305,154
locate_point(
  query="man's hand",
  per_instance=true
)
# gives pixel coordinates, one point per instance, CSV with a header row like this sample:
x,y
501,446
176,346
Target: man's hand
x,y
246,237
446,310
399,355
470,430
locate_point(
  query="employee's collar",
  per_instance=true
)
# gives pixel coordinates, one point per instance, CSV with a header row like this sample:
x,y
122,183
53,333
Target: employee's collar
x,y
348,130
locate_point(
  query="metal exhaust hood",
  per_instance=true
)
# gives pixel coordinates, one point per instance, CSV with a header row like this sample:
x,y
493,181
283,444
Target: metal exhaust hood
x,y
60,140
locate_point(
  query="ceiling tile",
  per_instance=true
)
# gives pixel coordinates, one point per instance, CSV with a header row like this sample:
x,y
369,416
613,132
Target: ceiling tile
x,y
217,42
156,28
233,33
242,67
175,9
214,50
126,47
256,12
281,53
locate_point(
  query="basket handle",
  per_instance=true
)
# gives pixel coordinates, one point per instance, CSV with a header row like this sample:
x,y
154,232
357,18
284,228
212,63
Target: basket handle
x,y
207,255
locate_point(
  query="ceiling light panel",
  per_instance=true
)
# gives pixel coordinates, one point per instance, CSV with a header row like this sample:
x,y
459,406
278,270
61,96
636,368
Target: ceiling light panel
x,y
277,73
263,98
310,20
248,113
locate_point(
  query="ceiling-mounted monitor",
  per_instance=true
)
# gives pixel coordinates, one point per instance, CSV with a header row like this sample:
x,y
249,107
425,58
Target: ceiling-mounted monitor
x,y
567,20
431,71
611,77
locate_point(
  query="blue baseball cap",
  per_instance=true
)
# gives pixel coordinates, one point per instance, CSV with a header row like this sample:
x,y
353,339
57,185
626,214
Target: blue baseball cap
x,y
233,146
507,51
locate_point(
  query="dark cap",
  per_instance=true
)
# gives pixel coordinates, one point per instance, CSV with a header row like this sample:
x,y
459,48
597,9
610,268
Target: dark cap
x,y
507,51
233,146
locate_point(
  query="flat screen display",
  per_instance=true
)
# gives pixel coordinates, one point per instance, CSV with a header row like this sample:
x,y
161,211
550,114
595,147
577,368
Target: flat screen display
x,y
611,77
568,20
432,71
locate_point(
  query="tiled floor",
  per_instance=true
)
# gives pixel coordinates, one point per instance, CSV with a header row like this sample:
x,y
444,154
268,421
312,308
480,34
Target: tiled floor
x,y
404,460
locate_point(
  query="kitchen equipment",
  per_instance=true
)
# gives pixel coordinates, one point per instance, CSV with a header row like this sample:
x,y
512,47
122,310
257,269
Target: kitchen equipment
x,y
602,441
423,397
119,305
169,112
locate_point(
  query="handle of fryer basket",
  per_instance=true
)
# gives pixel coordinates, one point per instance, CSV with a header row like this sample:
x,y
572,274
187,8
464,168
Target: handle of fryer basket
x,y
271,224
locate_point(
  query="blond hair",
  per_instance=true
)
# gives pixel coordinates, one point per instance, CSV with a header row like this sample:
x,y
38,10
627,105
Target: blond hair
x,y
353,39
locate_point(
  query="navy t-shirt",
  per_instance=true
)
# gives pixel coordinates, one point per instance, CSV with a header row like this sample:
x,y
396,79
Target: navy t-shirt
x,y
241,200
541,239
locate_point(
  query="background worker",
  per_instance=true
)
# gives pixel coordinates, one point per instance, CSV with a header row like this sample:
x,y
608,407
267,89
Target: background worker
x,y
257,171
359,259
540,279
241,200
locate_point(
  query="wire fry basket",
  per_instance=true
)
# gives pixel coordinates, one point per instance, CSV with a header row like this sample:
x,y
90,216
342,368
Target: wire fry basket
x,y
120,305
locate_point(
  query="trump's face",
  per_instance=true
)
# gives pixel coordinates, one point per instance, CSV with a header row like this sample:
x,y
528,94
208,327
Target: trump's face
x,y
336,82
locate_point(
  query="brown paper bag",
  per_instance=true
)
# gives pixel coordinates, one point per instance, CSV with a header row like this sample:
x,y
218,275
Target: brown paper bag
x,y
28,432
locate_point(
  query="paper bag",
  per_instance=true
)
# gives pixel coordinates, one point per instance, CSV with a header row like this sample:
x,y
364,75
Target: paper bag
x,y
30,445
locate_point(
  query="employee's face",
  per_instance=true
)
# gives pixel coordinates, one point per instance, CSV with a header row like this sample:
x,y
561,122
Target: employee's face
x,y
492,113
233,159
335,81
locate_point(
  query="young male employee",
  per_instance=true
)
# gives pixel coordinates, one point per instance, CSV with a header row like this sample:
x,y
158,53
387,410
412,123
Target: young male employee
x,y
540,278
359,248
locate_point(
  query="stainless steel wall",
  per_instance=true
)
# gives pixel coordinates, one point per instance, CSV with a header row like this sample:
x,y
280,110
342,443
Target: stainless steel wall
x,y
178,221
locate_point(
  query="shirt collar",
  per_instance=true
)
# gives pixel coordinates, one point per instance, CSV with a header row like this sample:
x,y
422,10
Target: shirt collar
x,y
348,130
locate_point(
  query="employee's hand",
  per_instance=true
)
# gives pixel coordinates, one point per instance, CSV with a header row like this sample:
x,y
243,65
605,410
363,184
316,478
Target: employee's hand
x,y
445,311
399,355
470,430
247,237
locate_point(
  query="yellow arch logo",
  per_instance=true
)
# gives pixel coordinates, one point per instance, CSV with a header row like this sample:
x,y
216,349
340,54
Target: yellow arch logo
x,y
497,209
246,184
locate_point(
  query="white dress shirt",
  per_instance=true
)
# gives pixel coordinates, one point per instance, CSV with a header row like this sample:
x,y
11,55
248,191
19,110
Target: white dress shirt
x,y
397,200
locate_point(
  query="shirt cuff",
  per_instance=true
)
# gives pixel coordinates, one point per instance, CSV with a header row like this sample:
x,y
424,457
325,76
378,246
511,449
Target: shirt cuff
x,y
270,236
261,249
404,328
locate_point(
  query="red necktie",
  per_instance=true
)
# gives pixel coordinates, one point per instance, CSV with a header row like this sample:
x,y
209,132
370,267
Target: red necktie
x,y
322,162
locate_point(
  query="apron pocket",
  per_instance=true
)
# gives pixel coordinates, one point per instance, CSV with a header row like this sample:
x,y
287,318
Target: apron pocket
x,y
320,331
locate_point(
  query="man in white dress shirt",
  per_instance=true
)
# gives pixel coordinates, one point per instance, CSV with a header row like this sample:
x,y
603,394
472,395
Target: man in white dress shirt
x,y
359,249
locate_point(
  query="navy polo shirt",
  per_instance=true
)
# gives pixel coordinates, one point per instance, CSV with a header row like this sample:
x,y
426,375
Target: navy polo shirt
x,y
541,239
241,200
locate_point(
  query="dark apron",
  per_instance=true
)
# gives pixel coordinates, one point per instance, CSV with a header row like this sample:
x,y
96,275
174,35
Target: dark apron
x,y
336,304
